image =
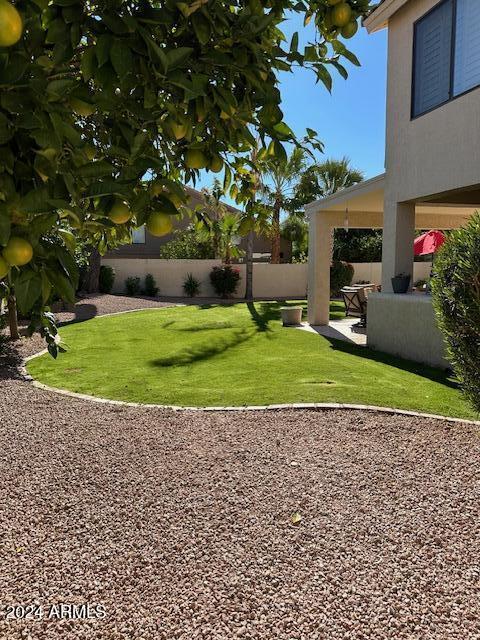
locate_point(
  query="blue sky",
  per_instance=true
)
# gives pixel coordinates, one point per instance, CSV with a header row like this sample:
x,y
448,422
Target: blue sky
x,y
351,120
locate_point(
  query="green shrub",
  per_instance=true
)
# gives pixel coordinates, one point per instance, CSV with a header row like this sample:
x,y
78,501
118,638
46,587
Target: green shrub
x,y
341,275
186,244
191,285
133,286
106,279
456,297
225,280
151,288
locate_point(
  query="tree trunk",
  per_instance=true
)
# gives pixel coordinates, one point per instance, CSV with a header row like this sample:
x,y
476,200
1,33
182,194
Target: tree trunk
x,y
12,317
249,266
228,257
275,259
92,277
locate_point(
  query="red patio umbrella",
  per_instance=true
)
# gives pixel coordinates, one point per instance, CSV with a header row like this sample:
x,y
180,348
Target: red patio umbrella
x,y
429,242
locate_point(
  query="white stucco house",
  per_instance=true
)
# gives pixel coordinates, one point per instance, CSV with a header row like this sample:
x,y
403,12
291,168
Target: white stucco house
x,y
432,166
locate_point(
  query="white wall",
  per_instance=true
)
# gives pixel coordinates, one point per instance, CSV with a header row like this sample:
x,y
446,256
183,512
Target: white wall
x,y
372,271
405,326
269,280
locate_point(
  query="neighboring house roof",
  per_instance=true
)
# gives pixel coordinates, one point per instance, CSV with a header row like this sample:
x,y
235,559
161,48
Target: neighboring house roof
x,y
198,195
381,14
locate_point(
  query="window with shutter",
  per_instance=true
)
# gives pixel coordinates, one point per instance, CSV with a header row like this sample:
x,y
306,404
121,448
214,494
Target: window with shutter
x,y
467,46
138,235
446,60
432,62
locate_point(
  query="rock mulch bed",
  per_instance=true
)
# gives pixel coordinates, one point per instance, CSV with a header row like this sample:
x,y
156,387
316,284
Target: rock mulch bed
x,y
179,523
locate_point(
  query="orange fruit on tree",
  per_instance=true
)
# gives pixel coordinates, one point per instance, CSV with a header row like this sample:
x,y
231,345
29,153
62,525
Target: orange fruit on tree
x,y
17,252
196,159
11,26
341,14
350,29
159,224
120,212
4,268
216,164
179,129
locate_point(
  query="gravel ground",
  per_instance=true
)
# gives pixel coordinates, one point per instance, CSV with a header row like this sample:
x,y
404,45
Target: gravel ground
x,y
179,524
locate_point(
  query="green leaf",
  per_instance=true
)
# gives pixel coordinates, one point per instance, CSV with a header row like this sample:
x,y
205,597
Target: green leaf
x,y
43,223
95,169
138,143
283,130
6,131
103,49
342,50
15,69
176,57
107,188
280,153
87,63
325,77
61,284
166,205
46,287
294,42
35,201
28,286
340,68
202,28
121,58
4,226
68,263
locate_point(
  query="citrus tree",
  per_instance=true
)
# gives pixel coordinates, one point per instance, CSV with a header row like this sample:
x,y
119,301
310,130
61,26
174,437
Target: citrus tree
x,y
94,95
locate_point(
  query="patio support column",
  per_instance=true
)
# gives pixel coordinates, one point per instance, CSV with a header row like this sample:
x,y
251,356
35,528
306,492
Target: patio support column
x,y
398,237
319,250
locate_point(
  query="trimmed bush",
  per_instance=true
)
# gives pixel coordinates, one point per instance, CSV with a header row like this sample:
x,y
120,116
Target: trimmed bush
x,y
341,275
133,286
106,279
191,286
225,280
456,297
151,288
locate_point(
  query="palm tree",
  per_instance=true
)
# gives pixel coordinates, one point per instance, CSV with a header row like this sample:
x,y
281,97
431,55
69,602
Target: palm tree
x,y
335,175
280,180
322,179
217,224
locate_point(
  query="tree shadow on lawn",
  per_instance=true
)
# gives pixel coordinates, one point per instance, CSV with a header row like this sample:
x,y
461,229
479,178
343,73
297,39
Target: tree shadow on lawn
x,y
431,373
204,351
83,311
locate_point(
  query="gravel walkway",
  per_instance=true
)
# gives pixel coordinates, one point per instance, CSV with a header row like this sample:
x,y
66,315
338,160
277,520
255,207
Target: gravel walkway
x,y
179,524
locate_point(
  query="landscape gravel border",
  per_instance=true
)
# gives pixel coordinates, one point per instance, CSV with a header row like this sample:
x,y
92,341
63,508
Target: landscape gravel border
x,y
270,407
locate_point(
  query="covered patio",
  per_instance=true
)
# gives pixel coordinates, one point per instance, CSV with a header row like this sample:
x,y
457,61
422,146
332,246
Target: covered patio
x,y
401,324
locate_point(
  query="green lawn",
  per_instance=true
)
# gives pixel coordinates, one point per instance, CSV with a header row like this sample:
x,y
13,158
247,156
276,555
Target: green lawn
x,y
235,355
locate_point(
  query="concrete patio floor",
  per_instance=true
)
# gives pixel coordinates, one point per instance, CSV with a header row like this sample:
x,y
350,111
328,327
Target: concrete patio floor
x,y
339,330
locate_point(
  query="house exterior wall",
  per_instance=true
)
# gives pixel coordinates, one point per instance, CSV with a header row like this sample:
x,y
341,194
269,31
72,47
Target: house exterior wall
x,y
438,151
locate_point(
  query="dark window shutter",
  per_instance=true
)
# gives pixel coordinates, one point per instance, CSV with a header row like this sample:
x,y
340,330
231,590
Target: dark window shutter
x,y
467,46
433,40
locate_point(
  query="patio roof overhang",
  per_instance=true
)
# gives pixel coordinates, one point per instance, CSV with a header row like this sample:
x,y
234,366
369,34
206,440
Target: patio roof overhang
x,y
362,206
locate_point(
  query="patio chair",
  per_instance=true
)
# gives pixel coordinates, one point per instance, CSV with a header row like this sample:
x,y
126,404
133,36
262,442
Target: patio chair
x,y
355,300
